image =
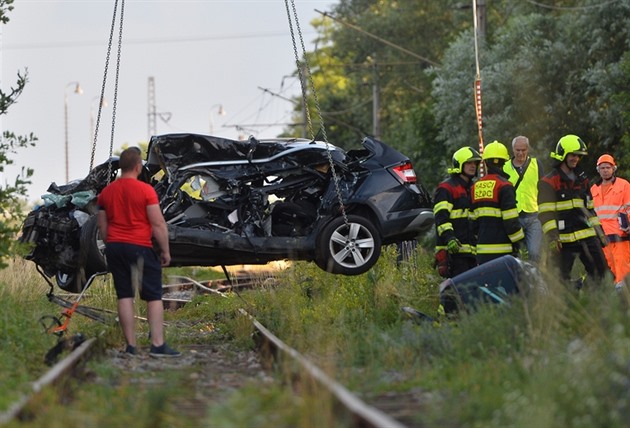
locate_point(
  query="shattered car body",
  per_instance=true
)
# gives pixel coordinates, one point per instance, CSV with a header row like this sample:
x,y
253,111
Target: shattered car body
x,y
492,282
245,202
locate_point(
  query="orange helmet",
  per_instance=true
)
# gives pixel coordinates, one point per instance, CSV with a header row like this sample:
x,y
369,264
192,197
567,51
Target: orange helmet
x,y
606,159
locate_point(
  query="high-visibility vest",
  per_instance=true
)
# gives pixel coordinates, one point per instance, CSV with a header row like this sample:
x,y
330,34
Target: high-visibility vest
x,y
608,206
527,190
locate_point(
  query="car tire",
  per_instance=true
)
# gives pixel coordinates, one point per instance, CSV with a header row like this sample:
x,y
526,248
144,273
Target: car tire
x,y
92,248
350,248
68,282
91,259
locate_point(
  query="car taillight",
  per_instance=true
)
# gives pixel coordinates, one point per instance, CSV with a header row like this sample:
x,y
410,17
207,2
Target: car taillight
x,y
405,172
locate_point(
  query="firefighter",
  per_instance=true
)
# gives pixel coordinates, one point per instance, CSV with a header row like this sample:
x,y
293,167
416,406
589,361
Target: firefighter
x,y
494,213
455,241
611,198
565,209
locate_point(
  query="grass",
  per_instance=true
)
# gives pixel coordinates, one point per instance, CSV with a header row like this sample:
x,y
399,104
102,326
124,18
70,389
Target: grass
x,y
549,359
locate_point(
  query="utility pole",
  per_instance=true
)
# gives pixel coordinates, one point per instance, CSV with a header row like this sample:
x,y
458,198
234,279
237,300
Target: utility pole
x,y
376,103
152,128
481,17
153,114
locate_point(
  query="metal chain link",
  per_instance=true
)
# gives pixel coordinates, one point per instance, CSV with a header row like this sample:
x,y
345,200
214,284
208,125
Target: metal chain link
x,y
316,101
115,100
98,118
298,64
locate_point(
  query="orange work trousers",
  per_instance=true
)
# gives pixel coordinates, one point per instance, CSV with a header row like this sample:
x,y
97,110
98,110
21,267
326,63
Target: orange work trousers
x,y
618,258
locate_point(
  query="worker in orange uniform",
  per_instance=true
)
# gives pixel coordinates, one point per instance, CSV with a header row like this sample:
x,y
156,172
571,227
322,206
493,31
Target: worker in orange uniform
x,y
611,197
494,213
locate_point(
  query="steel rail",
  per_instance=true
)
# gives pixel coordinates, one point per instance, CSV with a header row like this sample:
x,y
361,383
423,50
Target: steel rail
x,y
365,414
53,375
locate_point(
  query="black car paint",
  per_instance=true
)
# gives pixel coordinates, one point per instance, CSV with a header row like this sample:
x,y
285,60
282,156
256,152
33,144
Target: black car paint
x,y
246,176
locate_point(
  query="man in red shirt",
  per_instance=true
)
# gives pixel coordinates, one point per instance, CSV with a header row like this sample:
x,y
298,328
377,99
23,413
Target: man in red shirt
x,y
129,215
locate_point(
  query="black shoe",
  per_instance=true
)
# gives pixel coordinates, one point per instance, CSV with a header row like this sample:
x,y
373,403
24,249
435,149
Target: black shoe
x,y
131,350
163,351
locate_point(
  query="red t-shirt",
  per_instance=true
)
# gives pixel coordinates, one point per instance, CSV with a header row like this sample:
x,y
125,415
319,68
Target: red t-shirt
x,y
125,203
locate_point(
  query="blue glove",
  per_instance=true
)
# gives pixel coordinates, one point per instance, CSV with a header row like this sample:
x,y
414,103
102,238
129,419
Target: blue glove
x,y
453,246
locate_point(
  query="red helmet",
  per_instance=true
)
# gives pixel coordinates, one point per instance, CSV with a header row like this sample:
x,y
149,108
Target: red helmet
x,y
606,159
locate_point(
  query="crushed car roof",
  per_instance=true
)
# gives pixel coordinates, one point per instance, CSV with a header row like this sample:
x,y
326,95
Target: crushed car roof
x,y
186,149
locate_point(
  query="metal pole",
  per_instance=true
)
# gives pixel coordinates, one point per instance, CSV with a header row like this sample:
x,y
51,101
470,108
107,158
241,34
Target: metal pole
x,y
65,124
77,90
376,104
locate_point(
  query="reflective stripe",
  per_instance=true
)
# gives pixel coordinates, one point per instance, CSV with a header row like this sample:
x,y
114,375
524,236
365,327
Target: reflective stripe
x,y
594,221
456,214
444,227
549,225
612,208
578,235
464,249
509,214
494,248
517,236
570,204
443,205
547,207
487,212
606,216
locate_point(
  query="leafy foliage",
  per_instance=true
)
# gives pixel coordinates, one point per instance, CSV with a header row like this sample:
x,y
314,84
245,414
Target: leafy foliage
x,y
546,70
12,193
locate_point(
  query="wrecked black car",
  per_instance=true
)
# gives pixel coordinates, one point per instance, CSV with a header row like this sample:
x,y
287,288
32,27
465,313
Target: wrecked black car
x,y
245,202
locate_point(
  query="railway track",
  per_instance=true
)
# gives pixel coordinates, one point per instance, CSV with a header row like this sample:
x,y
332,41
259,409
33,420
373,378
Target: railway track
x,y
218,373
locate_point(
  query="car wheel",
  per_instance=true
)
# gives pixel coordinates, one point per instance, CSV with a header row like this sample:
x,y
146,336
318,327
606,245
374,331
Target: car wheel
x,y
91,259
68,282
92,248
350,248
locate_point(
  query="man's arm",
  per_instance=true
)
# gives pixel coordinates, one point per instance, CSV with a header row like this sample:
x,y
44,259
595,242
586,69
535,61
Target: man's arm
x,y
102,224
160,232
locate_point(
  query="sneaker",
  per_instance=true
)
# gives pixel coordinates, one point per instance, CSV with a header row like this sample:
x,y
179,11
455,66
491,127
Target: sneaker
x,y
131,350
163,351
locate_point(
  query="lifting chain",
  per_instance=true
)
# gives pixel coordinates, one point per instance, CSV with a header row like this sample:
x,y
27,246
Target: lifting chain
x,y
315,100
115,99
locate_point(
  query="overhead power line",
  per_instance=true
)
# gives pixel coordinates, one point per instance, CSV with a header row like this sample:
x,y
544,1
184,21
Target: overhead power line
x,y
88,43
593,6
380,39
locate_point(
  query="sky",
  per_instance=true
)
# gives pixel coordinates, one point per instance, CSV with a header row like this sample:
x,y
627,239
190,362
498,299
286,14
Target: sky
x,y
201,54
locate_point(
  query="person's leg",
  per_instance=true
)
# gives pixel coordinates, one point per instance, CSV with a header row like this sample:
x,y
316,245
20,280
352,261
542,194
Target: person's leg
x,y
567,258
534,238
151,292
155,314
609,253
118,257
592,256
127,320
461,263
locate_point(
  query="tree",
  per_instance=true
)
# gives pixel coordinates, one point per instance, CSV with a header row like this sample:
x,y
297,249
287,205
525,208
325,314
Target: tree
x,y
12,194
547,69
544,75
